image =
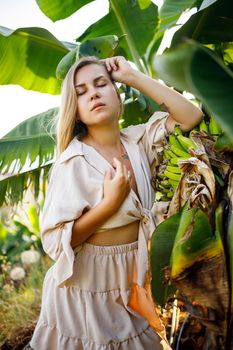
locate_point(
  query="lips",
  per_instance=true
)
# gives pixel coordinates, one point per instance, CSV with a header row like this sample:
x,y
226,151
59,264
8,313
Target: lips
x,y
97,105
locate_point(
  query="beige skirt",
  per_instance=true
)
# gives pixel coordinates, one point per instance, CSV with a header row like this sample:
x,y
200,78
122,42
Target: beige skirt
x,y
91,313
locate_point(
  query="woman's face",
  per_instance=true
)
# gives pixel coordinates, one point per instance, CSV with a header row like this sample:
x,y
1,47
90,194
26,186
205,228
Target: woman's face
x,y
98,102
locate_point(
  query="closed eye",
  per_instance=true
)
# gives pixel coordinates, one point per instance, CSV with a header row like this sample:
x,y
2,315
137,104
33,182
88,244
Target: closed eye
x,y
80,93
102,84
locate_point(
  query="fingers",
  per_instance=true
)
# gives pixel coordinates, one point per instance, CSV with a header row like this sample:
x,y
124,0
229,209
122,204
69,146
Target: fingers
x,y
119,166
108,174
112,63
121,169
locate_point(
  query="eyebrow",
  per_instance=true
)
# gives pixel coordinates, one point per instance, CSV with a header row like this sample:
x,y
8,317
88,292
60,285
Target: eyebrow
x,y
95,80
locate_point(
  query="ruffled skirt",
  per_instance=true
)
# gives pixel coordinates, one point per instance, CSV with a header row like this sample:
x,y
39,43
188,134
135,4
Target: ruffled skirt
x,y
91,312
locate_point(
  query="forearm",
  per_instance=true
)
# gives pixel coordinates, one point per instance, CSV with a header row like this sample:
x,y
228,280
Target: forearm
x,y
90,221
180,109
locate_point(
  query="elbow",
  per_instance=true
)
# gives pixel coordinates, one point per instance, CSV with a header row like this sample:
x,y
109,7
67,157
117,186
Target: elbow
x,y
194,121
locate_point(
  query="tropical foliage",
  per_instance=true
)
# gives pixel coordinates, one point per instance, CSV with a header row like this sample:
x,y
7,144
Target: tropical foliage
x,y
193,238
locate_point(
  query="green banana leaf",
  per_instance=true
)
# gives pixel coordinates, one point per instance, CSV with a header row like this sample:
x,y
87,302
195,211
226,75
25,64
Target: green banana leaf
x,y
198,268
144,4
137,107
160,252
59,9
12,189
194,240
196,69
212,24
223,143
33,218
230,242
30,58
126,17
169,14
30,141
101,47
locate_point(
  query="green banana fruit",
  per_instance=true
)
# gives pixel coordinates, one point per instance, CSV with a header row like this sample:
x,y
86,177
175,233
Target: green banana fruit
x,y
172,176
173,183
203,126
186,142
170,194
173,169
173,140
214,128
158,195
177,130
180,153
163,189
165,183
167,154
175,160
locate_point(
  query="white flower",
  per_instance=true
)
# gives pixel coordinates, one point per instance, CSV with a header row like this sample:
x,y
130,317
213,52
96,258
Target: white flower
x,y
29,257
17,273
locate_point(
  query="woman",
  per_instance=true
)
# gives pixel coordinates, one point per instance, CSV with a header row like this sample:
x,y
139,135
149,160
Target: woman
x,y
97,218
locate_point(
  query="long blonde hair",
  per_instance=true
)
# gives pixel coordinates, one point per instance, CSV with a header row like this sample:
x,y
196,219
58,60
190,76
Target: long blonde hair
x,y
67,125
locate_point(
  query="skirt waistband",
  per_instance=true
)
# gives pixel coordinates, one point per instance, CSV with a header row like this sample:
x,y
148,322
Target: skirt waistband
x,y
111,250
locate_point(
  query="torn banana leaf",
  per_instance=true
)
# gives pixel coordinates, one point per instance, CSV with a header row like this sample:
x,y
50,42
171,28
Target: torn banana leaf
x,y
198,266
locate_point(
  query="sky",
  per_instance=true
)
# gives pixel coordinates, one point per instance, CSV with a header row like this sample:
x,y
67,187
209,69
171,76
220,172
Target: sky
x,y
16,103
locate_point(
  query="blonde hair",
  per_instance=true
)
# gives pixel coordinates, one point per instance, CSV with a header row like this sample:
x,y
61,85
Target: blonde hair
x,y
67,126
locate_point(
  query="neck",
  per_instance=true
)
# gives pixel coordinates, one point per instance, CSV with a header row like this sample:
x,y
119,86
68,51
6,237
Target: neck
x,y
104,137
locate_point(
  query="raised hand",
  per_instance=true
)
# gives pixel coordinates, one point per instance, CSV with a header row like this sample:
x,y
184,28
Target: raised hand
x,y
119,68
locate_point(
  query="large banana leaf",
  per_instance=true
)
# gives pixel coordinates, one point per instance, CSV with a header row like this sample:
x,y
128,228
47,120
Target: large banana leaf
x,y
12,189
160,253
144,4
30,141
101,47
196,69
194,240
137,107
30,58
213,24
230,242
169,14
198,267
121,20
59,9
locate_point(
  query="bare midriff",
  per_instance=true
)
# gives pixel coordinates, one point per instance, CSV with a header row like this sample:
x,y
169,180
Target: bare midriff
x,y
120,235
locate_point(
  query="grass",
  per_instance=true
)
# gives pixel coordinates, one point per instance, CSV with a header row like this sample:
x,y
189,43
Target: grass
x,y
20,307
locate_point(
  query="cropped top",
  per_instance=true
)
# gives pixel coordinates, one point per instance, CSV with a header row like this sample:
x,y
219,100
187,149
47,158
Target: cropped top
x,y
76,185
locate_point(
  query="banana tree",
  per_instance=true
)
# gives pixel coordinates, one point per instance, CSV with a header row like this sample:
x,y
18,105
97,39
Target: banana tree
x,y
191,250
199,61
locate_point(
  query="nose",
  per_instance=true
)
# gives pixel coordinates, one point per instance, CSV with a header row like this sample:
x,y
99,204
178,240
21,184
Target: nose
x,y
94,94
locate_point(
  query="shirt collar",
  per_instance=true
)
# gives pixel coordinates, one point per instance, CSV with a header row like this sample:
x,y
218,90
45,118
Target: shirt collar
x,y
75,148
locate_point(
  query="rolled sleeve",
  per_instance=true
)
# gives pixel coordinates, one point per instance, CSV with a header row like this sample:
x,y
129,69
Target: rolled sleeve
x,y
154,138
64,203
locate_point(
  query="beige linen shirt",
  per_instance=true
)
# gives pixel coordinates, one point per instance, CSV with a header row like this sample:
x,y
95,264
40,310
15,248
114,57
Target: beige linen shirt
x,y
76,184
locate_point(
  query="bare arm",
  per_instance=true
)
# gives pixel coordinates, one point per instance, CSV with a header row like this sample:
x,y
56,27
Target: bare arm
x,y
116,189
89,222
181,110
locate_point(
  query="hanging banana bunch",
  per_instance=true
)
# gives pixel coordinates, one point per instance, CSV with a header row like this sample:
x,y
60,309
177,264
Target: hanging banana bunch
x,y
180,146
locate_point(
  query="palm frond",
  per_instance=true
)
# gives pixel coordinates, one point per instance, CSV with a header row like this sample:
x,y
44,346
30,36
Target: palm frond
x,y
13,188
31,141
